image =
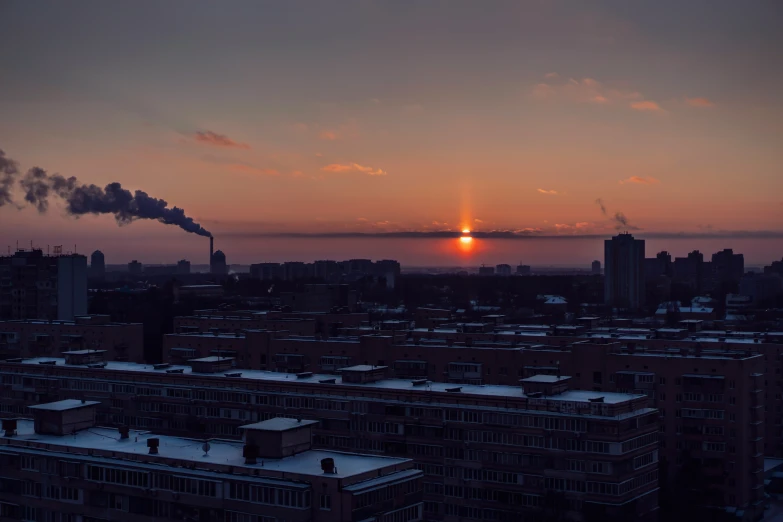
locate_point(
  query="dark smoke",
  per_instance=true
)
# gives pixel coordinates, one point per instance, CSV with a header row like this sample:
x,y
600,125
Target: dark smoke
x,y
600,203
8,172
125,206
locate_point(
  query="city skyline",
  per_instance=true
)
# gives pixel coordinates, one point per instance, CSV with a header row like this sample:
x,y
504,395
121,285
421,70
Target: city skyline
x,y
288,131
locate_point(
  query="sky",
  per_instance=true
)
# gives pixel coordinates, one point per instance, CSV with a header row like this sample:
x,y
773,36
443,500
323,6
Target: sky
x,y
307,130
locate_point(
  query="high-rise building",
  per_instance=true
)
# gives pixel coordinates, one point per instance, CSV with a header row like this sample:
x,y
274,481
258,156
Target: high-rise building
x,y
523,269
97,265
660,265
503,270
728,266
38,286
624,271
596,268
486,270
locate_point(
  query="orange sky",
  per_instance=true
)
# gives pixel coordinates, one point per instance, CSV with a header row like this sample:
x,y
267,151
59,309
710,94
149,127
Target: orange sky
x,y
322,120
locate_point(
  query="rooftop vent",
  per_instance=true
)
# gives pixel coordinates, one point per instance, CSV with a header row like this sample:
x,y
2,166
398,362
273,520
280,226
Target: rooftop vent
x,y
234,374
176,370
161,366
419,382
153,444
328,381
596,399
304,375
456,389
124,431
9,426
327,465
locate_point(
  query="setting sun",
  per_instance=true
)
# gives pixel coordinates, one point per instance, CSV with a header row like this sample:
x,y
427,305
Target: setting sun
x,y
466,239
466,231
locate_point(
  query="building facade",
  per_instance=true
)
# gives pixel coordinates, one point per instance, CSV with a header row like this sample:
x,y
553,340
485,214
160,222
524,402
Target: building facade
x,y
120,341
624,272
99,474
38,286
528,452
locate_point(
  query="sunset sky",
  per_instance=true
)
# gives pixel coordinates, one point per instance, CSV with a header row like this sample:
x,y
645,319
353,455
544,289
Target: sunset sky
x,y
334,118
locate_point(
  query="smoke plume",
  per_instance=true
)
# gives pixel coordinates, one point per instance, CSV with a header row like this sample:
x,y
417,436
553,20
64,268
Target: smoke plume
x,y
619,219
81,199
600,203
8,172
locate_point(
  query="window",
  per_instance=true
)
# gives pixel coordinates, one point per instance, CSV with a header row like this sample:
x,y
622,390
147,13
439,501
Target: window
x,y
597,379
29,464
645,460
576,465
662,380
326,502
600,467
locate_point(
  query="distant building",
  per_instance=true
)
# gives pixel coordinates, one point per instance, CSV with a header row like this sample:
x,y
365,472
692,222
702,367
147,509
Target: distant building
x,y
183,266
776,267
761,288
660,265
728,266
97,265
295,270
596,268
38,286
624,272
693,271
266,271
218,265
320,298
486,270
523,269
272,474
135,268
36,338
326,269
503,270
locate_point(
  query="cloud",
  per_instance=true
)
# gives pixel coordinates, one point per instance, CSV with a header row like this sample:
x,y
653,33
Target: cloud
x,y
248,169
592,91
548,192
297,174
218,140
362,220
477,220
551,76
646,105
353,167
328,135
641,180
699,102
319,155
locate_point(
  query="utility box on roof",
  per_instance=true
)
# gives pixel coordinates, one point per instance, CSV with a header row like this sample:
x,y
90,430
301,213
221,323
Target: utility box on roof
x,y
64,417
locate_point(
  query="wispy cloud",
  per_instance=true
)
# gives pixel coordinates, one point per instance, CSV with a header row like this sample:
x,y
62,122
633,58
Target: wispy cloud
x,y
641,180
218,140
548,192
591,91
328,135
353,167
551,76
699,102
646,105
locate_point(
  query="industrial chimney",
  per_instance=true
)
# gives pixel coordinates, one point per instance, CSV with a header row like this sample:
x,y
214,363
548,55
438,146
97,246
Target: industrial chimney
x,y
211,250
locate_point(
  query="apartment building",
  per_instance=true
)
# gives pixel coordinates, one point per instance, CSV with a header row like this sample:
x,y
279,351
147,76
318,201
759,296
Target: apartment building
x,y
737,411
533,451
38,338
61,466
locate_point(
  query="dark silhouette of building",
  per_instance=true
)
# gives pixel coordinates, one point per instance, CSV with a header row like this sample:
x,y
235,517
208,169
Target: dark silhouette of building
x,y
728,266
523,269
596,267
693,271
135,268
503,269
486,270
97,265
218,264
660,265
776,267
183,266
624,272
38,286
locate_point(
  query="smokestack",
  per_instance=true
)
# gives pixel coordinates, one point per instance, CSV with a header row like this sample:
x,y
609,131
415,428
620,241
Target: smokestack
x,y
211,250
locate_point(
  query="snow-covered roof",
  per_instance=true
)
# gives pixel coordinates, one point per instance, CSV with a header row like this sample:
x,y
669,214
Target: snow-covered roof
x,y
278,424
222,452
68,404
493,390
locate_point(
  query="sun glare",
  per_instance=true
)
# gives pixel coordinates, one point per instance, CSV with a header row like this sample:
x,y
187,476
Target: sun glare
x,y
466,240
466,231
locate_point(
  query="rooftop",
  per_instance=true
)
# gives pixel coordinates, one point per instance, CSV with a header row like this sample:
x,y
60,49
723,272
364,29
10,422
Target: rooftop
x,y
226,453
386,384
545,378
278,424
68,404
